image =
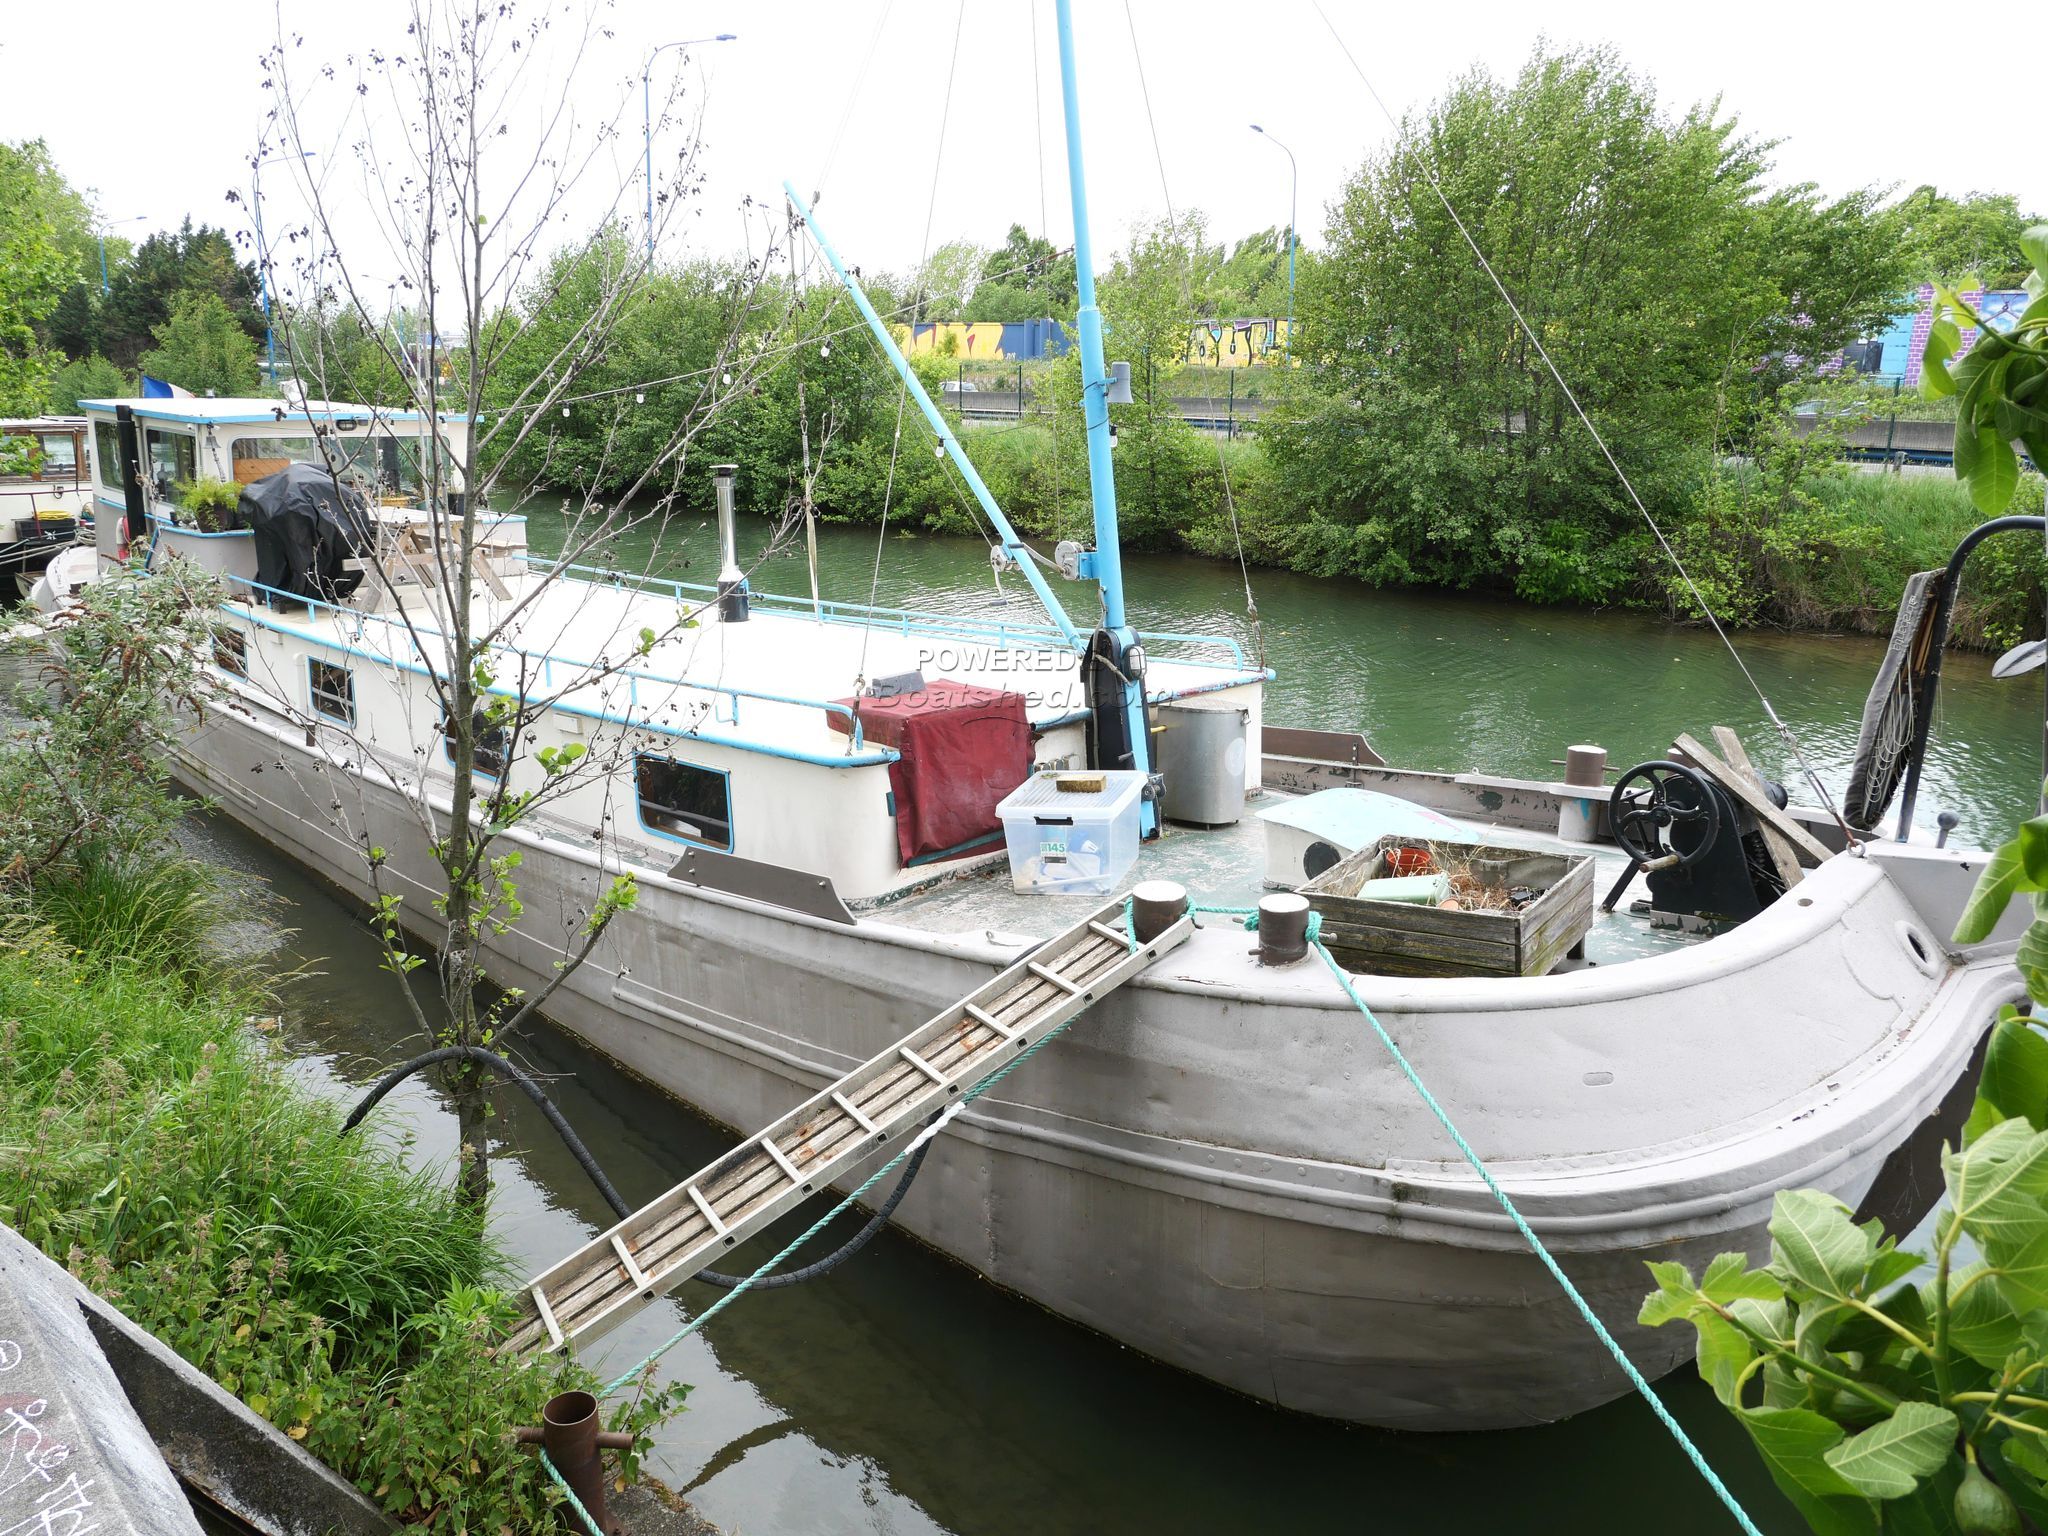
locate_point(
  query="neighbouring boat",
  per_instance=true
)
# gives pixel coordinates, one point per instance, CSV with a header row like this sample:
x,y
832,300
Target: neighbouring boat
x,y
1219,1165
43,494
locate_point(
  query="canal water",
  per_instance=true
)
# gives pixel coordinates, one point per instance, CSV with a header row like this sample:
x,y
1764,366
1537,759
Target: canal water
x,y
902,1394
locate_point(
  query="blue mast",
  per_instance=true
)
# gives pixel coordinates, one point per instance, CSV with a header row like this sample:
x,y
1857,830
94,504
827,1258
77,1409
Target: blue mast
x,y
1116,646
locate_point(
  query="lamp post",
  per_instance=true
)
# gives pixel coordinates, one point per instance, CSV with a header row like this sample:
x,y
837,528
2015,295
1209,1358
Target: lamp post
x,y
140,218
262,258
647,119
1294,187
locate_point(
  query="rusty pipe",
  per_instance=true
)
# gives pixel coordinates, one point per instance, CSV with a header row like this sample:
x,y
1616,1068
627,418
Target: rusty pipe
x,y
570,1435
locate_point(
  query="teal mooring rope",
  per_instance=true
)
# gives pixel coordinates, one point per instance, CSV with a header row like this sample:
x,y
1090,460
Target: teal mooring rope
x,y
1636,1378
1251,922
589,1520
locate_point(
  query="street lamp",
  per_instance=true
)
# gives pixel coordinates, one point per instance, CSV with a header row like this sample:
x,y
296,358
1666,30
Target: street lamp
x,y
1294,187
647,116
140,218
262,257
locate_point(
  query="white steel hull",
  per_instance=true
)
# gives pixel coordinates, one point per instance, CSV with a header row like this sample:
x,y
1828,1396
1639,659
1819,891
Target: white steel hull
x,y
1219,1165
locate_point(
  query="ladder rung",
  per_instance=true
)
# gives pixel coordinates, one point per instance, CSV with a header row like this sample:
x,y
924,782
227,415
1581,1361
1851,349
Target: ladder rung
x,y
983,1016
781,1159
1044,973
641,1282
854,1110
922,1065
705,1206
547,1318
1115,936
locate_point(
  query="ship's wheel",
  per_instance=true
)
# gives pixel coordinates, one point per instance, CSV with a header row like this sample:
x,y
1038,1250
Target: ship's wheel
x,y
1650,802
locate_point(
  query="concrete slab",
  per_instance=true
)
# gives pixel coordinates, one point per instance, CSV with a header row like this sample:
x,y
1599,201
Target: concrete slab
x,y
75,1460
190,1428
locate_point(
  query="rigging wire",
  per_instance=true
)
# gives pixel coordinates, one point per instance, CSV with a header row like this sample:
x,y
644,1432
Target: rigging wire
x,y
1251,604
852,96
1784,731
931,208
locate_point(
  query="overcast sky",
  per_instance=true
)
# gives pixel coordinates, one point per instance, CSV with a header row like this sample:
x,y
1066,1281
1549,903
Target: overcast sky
x,y
158,107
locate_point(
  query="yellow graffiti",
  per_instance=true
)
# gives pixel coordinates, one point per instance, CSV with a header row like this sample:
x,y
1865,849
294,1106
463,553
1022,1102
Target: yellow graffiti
x,y
1237,343
970,341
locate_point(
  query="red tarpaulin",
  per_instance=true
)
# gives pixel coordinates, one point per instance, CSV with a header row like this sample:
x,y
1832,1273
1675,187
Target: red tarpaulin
x,y
963,749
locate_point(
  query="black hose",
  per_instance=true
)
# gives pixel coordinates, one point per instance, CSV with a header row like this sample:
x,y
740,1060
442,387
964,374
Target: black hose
x,y
504,1068
612,1198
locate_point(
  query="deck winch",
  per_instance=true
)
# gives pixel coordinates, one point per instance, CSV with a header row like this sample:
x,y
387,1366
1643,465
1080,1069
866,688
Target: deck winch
x,y
1704,864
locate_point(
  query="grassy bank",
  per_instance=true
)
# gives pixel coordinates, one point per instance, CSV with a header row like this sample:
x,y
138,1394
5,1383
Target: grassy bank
x,y
156,1146
1831,551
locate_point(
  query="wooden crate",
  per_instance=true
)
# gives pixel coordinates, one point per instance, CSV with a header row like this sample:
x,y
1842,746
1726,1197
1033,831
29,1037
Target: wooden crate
x,y
1393,938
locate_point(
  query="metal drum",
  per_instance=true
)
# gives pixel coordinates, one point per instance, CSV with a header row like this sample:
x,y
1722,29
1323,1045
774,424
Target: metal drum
x,y
1201,753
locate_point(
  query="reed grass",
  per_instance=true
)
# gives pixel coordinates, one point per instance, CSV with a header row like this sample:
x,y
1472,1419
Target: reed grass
x,y
1913,522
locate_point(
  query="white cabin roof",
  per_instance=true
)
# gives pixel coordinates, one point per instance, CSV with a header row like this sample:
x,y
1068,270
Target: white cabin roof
x,y
243,410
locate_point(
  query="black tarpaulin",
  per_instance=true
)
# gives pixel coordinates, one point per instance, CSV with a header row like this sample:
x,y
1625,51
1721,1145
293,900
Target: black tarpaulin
x,y
306,525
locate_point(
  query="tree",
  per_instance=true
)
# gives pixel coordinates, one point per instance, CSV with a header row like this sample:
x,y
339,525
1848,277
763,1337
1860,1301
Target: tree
x,y
90,378
202,348
467,224
1944,239
35,268
1666,287
165,267
941,287
1028,264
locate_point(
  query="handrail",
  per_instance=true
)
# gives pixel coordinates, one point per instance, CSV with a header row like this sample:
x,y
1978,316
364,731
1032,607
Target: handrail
x,y
1927,694
840,612
550,659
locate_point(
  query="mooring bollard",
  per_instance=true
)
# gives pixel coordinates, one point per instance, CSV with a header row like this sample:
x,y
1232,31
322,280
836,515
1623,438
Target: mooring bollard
x,y
570,1436
1586,767
1283,929
1156,905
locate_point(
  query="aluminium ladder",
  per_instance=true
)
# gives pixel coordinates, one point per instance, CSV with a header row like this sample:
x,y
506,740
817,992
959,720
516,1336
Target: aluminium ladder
x,y
881,1101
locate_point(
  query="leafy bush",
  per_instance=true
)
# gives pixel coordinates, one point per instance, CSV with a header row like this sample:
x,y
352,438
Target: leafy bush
x,y
87,378
1881,1405
85,767
179,1170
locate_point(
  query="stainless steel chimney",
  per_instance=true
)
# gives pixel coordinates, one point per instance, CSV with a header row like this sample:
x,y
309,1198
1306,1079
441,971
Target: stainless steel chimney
x,y
732,581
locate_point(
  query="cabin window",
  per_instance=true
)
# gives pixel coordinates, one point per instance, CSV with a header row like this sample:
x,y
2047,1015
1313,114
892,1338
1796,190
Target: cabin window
x,y
106,439
381,463
685,801
60,456
231,651
333,690
488,755
173,459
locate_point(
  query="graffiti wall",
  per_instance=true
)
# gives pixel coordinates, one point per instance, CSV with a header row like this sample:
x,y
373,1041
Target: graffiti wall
x,y
1003,341
1236,343
1211,343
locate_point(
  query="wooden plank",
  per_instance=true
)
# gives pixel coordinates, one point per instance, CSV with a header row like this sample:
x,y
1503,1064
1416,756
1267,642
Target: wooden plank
x,y
1784,858
1458,955
1319,746
1757,802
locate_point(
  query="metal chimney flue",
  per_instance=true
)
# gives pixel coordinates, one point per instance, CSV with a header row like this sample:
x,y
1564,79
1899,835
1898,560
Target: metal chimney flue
x,y
732,581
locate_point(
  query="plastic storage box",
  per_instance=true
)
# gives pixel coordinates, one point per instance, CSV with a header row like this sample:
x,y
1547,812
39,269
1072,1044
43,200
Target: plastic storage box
x,y
1068,838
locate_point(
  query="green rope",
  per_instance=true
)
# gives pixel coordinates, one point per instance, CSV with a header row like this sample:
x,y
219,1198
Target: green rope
x,y
589,1520
1621,1359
